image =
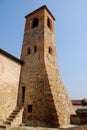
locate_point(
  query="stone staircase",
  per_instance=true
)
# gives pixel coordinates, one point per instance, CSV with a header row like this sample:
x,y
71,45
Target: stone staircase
x,y
14,119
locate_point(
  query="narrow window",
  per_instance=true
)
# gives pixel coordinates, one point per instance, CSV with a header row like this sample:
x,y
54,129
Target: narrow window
x,y
35,49
28,51
23,94
29,108
35,22
49,23
50,50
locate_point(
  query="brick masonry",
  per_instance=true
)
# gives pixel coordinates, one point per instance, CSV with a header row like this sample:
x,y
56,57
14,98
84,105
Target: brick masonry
x,y
44,90
9,82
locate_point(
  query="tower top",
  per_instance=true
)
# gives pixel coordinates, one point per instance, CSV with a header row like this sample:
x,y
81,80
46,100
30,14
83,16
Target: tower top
x,y
42,7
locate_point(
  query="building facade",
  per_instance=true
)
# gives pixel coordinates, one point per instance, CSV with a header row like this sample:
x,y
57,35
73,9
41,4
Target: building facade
x,y
10,68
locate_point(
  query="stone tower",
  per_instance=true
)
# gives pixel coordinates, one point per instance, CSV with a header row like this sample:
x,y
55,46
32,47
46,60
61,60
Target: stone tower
x,y
41,91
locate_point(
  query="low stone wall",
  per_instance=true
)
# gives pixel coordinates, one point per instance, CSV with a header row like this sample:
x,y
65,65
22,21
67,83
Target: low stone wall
x,y
77,128
84,127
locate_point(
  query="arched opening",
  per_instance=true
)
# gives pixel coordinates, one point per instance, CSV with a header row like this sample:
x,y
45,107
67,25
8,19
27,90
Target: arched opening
x,y
49,23
35,22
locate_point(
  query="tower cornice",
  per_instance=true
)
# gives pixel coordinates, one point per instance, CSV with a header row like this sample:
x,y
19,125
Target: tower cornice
x,y
42,7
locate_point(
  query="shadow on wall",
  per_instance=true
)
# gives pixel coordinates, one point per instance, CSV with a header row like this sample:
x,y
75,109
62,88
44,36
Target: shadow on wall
x,y
51,116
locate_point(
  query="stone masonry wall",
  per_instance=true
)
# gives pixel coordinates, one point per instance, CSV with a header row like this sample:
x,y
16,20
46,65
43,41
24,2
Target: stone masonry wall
x,y
9,81
44,90
61,100
84,127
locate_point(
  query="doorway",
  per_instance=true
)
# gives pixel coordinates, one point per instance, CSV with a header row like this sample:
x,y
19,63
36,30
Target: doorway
x,y
23,94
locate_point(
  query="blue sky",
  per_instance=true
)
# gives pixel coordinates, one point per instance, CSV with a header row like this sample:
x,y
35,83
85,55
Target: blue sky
x,y
70,36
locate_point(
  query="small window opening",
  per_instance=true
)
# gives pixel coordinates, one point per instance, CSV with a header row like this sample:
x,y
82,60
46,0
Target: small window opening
x,y
28,51
50,50
35,22
35,49
23,94
29,108
49,23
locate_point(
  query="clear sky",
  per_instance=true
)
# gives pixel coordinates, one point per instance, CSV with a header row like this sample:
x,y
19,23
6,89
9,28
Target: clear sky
x,y
70,36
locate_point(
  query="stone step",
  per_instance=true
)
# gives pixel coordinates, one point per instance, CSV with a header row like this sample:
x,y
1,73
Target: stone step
x,y
7,122
19,107
3,126
12,116
10,119
16,110
14,113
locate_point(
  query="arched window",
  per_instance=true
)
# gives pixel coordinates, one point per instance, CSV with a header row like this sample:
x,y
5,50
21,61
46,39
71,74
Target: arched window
x,y
28,52
35,49
35,22
49,23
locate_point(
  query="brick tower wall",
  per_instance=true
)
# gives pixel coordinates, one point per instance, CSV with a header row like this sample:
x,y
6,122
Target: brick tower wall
x,y
46,102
